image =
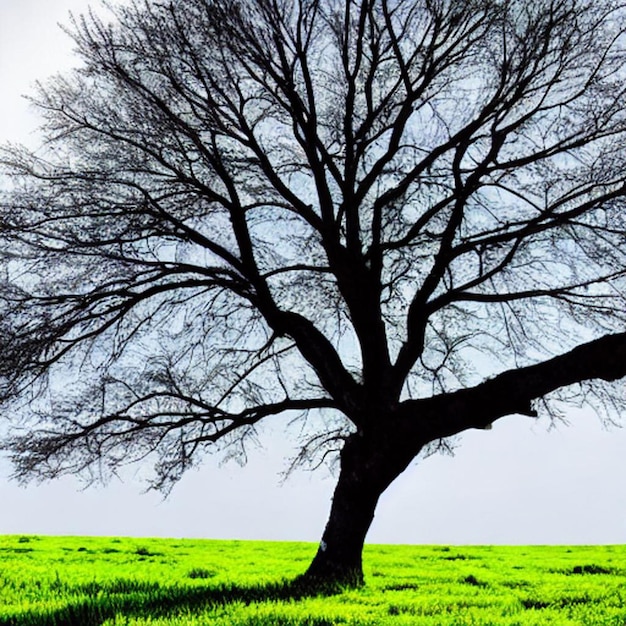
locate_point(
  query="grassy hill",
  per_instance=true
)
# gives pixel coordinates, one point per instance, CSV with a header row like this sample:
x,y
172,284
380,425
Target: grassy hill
x,y
72,581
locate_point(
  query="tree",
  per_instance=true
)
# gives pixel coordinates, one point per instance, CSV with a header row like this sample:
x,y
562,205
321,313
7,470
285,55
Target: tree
x,y
393,219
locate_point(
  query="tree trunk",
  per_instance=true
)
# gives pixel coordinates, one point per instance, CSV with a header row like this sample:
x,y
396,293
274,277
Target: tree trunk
x,y
366,471
339,556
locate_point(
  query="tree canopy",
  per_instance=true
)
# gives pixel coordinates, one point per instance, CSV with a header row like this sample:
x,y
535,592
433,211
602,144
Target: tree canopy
x,y
395,219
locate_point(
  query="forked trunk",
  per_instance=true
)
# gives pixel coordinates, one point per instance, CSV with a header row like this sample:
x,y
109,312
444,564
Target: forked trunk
x,y
366,471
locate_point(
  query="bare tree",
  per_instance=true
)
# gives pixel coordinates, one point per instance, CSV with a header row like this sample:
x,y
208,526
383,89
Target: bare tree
x,y
399,219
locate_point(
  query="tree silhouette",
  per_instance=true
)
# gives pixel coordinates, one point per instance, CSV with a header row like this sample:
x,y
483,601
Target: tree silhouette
x,y
398,219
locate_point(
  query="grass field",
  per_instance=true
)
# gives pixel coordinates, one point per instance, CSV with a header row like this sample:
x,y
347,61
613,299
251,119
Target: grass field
x,y
83,581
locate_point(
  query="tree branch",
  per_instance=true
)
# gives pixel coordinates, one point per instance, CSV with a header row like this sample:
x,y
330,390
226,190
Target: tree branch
x,y
513,391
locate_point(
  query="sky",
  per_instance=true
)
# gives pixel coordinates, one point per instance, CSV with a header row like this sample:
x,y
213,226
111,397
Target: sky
x,y
519,483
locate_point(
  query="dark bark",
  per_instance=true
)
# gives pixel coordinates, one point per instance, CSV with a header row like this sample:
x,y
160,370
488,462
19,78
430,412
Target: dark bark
x,y
513,391
368,466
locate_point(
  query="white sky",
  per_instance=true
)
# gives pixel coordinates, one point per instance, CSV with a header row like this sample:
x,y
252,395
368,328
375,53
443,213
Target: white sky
x,y
518,483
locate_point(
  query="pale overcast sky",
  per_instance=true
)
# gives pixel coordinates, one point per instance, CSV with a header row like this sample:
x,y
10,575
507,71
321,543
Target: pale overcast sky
x,y
518,483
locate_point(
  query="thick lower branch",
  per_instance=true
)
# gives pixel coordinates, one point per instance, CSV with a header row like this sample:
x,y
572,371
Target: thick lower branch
x,y
513,391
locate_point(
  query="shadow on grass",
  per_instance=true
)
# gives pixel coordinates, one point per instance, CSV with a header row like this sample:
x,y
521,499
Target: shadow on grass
x,y
94,603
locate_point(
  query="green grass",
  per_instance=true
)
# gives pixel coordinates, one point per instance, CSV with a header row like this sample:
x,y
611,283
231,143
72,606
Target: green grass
x,y
86,581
